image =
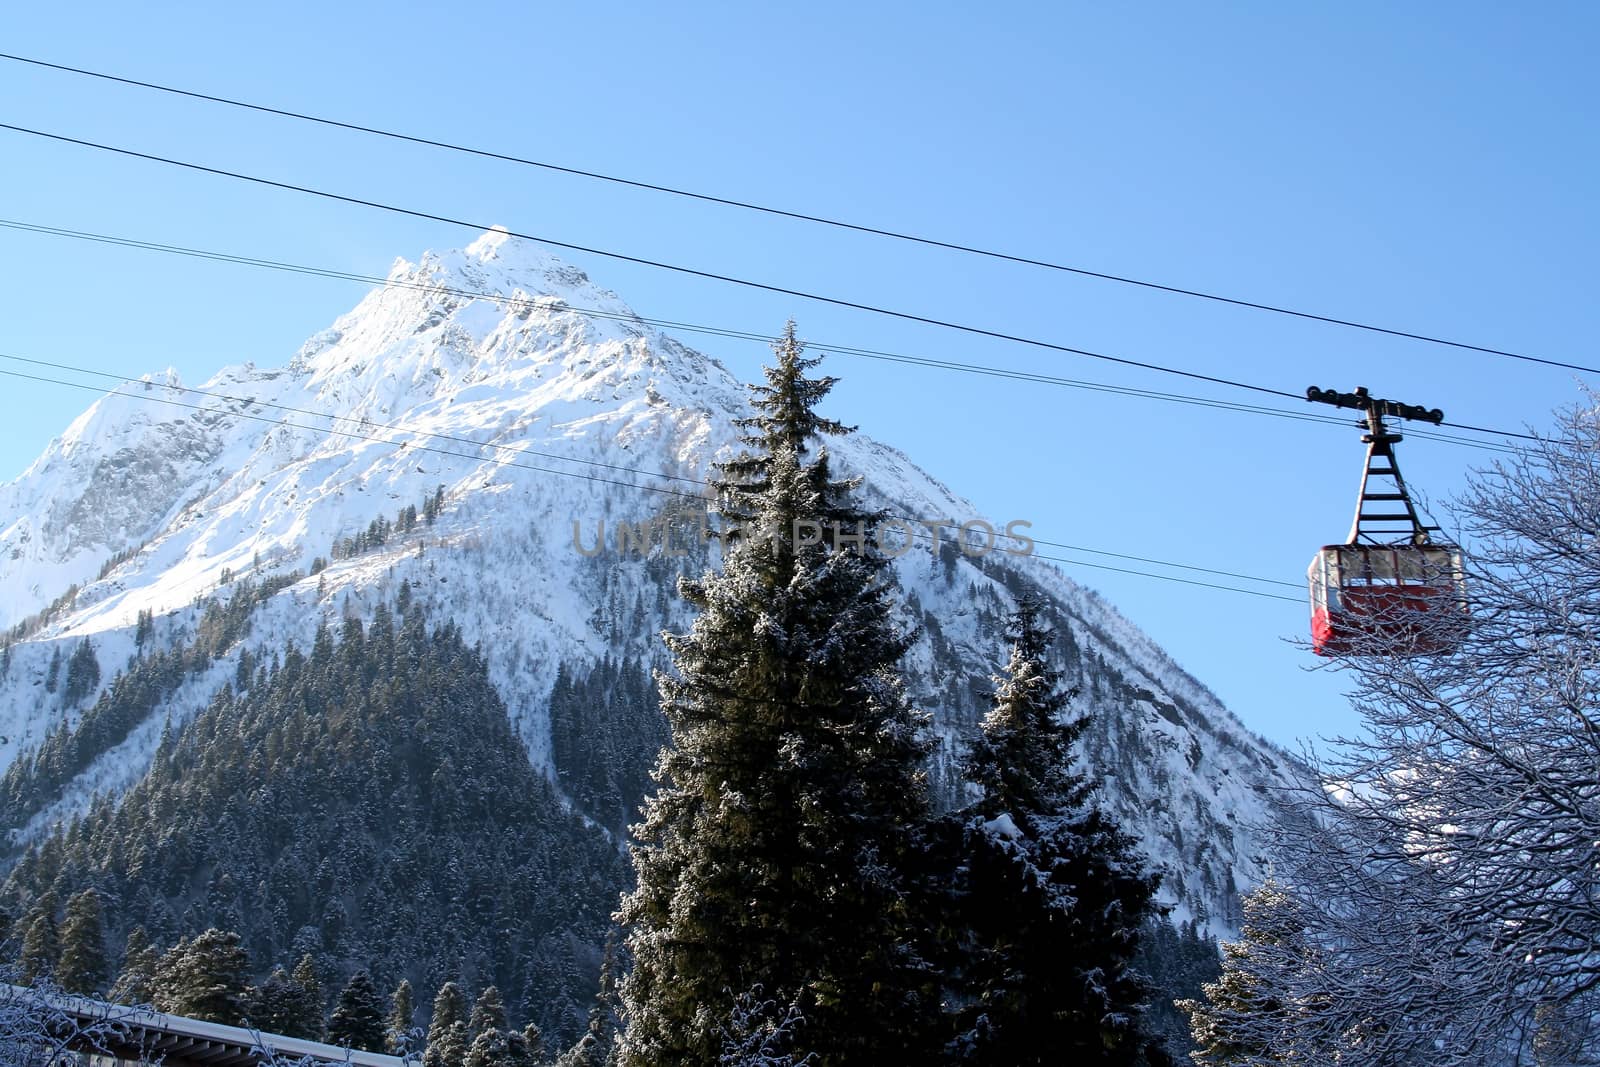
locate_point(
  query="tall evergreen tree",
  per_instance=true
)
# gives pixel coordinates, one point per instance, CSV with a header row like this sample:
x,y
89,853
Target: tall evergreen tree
x,y
280,1005
1052,893
204,978
488,1012
357,1019
306,977
528,1048
52,673
448,1039
489,1049
399,1040
83,673
771,851
139,959
1248,1017
83,967
41,941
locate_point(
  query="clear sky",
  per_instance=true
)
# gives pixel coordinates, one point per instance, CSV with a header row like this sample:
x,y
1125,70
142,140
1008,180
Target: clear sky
x,y
1425,167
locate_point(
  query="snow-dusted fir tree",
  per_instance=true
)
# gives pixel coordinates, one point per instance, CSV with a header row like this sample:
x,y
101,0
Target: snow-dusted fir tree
x,y
1050,893
282,1006
771,851
1251,1015
41,940
400,1034
83,967
448,1037
357,1018
204,978
311,1022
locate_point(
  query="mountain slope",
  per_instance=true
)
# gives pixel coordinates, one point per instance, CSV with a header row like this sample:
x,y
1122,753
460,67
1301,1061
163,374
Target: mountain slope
x,y
519,423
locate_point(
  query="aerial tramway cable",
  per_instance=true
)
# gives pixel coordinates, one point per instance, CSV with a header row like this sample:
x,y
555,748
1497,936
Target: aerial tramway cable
x,y
478,227
810,217
717,331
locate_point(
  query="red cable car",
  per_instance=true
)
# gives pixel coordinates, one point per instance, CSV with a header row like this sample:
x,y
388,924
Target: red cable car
x,y
1390,590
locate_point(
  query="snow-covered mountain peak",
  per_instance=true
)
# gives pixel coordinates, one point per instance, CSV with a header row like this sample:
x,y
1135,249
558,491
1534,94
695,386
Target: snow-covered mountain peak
x,y
535,420
499,309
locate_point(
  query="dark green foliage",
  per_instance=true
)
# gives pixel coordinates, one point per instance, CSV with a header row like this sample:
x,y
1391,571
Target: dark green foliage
x,y
35,779
1048,896
83,967
398,1039
772,850
606,729
367,801
281,1005
52,674
1021,760
306,977
1242,1018
139,959
488,1013
83,673
490,1048
41,940
204,978
380,531
448,1037
450,1048
117,559
531,1049
357,1019
1178,961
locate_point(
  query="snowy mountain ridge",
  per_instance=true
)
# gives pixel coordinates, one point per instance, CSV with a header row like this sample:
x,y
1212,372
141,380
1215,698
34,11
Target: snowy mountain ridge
x,y
541,420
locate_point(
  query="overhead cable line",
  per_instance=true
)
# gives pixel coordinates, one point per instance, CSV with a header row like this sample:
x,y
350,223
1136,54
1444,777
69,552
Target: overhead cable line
x,y
865,353
797,215
351,434
478,227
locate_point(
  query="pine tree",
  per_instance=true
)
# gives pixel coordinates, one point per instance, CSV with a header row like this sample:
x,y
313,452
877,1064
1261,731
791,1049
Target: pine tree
x,y
83,967
1247,1017
139,959
310,1024
204,978
772,850
357,1019
488,1013
398,1041
1052,893
83,673
41,941
52,673
490,1048
448,1039
528,1048
280,1005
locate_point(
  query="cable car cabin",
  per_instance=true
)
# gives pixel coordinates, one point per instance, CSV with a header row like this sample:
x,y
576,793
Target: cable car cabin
x,y
1387,600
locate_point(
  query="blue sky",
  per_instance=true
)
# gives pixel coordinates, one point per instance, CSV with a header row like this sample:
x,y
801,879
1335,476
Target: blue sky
x,y
1420,167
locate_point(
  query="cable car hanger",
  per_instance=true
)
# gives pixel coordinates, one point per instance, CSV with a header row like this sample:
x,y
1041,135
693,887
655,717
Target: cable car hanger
x,y
1379,526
